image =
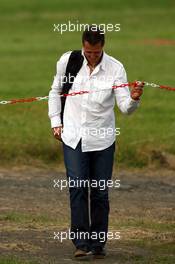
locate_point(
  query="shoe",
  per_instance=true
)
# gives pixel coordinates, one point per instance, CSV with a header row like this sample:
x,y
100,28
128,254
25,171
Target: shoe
x,y
98,253
82,254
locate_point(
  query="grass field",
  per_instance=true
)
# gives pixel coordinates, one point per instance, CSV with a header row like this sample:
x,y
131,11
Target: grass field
x,y
143,209
29,49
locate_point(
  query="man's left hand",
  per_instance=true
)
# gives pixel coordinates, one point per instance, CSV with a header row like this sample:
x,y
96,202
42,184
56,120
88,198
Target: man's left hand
x,y
136,91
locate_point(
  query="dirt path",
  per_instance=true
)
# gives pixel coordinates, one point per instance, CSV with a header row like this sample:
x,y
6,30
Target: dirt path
x,y
142,210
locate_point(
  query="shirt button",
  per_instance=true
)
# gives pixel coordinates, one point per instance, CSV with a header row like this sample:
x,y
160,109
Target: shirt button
x,y
83,103
83,116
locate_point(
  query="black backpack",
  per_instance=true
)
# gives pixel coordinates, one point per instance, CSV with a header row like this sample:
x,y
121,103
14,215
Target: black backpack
x,y
73,66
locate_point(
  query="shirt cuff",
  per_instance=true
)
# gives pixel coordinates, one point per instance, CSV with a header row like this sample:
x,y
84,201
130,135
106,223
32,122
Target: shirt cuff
x,y
55,121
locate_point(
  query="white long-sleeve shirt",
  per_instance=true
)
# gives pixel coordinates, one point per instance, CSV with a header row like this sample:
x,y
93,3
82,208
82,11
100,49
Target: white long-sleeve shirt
x,y
90,117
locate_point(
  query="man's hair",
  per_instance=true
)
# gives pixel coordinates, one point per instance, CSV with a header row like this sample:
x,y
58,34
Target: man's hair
x,y
93,35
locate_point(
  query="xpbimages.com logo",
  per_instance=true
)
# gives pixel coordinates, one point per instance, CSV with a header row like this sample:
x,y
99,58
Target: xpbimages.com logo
x,y
78,183
101,236
79,27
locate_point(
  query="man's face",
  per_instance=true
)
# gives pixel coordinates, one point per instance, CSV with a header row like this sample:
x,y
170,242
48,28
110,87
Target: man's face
x,y
92,52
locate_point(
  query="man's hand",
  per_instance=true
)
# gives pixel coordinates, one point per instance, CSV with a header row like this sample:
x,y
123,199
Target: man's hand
x,y
57,132
136,91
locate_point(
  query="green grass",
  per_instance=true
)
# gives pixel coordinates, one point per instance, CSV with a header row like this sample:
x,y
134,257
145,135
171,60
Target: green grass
x,y
158,252
13,260
29,49
34,220
143,224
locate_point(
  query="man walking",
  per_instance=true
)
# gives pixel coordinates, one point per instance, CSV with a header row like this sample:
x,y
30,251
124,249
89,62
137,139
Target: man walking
x,y
87,131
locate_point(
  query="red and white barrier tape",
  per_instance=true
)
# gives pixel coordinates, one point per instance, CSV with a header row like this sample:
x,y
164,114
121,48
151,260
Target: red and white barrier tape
x,y
130,84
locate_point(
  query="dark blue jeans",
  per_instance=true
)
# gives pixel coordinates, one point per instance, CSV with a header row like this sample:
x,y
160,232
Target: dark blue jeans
x,y
89,203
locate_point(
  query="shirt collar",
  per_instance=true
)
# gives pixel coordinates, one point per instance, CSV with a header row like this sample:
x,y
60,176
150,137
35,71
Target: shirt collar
x,y
102,63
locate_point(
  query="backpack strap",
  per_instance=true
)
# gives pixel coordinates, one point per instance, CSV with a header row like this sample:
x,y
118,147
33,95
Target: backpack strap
x,y
73,67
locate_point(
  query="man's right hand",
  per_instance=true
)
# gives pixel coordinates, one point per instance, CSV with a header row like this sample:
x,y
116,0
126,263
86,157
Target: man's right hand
x,y
57,132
